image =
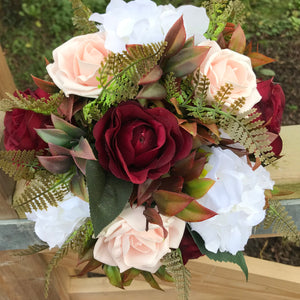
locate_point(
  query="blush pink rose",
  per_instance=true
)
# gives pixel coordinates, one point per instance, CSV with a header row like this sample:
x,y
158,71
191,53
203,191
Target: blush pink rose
x,y
126,243
76,64
226,66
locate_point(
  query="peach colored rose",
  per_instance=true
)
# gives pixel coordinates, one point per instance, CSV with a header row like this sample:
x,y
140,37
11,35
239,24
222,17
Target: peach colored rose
x,y
76,64
126,243
227,66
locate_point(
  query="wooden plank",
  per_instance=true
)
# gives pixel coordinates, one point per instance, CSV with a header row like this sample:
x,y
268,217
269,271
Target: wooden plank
x,y
22,277
286,171
210,280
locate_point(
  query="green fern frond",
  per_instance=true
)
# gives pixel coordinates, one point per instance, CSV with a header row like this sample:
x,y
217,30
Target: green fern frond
x,y
220,12
81,14
82,235
222,95
19,164
44,190
181,275
41,106
172,88
119,76
245,129
201,84
33,249
281,222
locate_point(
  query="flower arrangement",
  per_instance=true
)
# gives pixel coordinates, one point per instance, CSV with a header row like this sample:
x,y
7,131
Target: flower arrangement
x,y
147,144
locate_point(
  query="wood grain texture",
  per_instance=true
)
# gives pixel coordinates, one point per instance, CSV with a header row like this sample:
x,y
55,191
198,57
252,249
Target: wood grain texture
x,y
210,280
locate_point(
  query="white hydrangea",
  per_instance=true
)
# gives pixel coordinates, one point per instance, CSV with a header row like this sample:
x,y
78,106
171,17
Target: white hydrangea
x,y
238,198
142,22
55,224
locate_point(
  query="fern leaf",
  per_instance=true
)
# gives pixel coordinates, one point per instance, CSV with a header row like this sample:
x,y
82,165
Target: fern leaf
x,y
220,12
181,275
44,190
81,14
172,88
19,164
77,240
119,76
281,222
33,249
41,106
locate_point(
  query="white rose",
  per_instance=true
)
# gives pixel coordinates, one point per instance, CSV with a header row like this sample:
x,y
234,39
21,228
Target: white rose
x,y
126,243
226,66
55,224
76,65
238,198
142,22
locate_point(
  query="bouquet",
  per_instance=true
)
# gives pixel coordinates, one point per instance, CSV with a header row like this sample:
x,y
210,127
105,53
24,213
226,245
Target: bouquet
x,y
147,143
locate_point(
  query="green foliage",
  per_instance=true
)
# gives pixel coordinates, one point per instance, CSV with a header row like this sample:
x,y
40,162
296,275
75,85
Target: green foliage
x,y
108,195
77,238
119,76
81,18
44,190
19,164
220,12
220,256
277,217
244,128
42,106
271,18
181,275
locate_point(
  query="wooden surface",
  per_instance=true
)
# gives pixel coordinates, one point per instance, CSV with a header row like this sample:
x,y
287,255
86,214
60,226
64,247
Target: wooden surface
x,y
22,278
6,184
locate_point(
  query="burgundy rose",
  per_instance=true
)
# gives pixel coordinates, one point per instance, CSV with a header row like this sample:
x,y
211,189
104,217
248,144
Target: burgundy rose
x,y
20,125
188,248
271,108
137,143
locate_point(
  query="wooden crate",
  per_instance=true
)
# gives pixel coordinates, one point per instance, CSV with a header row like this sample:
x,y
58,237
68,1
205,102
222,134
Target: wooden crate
x,y
22,278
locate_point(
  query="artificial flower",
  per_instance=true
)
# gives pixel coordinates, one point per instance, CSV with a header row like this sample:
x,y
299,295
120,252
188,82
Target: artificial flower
x,y
136,143
143,22
20,125
76,65
188,248
223,66
55,224
238,199
271,108
127,244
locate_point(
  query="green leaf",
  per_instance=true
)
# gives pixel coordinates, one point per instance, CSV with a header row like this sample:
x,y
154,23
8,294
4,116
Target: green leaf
x,y
186,61
55,136
195,212
175,38
162,274
220,256
150,279
153,76
129,275
153,91
67,127
238,40
108,195
197,188
171,203
114,276
78,187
